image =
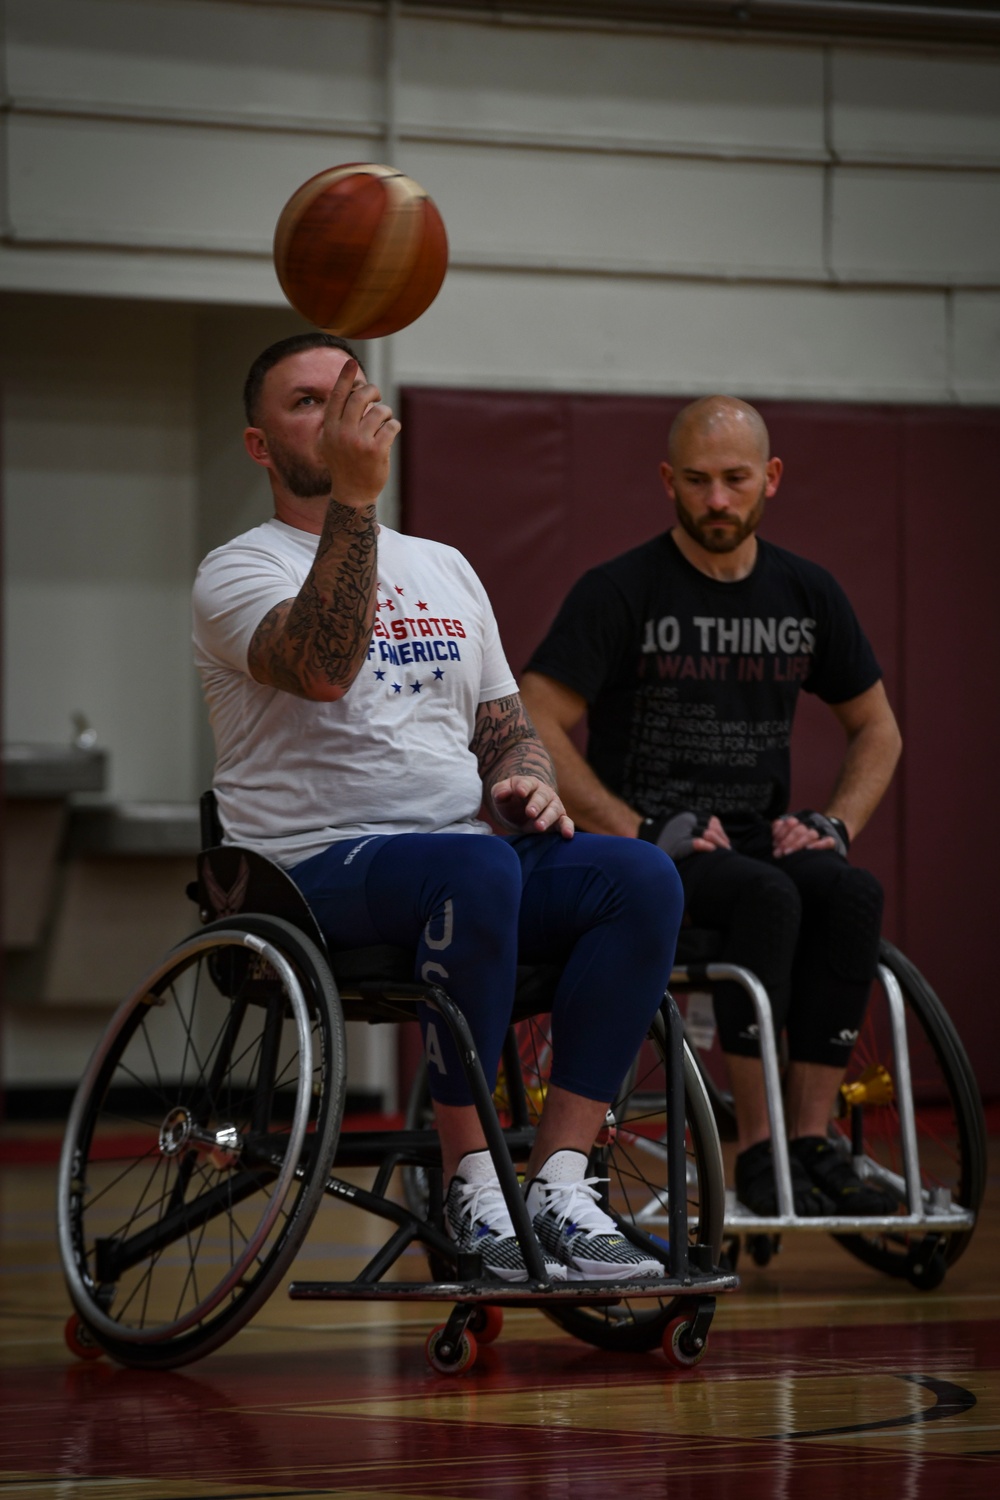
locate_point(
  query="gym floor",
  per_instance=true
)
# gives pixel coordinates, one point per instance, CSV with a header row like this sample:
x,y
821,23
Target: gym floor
x,y
822,1378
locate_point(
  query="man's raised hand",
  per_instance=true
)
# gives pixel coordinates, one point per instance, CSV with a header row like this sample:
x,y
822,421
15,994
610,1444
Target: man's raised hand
x,y
356,438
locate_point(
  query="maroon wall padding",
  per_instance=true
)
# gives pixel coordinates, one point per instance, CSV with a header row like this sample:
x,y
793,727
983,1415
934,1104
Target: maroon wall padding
x,y
898,502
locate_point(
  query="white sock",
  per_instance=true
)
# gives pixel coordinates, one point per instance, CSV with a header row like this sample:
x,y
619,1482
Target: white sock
x,y
476,1166
563,1166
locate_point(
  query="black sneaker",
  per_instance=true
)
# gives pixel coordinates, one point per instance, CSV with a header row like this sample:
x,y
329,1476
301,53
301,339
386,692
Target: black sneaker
x,y
834,1175
478,1220
756,1189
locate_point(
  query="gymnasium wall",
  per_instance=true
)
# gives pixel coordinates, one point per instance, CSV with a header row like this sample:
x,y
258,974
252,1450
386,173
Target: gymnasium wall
x,y
634,212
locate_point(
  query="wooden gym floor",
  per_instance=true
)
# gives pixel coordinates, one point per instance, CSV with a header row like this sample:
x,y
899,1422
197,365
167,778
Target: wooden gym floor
x,y
822,1379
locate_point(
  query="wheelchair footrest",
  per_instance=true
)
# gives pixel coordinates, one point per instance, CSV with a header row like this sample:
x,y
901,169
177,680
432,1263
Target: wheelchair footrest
x,y
513,1293
741,1220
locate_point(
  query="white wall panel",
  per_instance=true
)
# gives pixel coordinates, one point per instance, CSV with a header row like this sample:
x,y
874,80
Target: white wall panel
x,y
150,274
597,333
628,87
578,209
131,183
138,183
118,652
273,61
916,107
917,225
99,526
976,336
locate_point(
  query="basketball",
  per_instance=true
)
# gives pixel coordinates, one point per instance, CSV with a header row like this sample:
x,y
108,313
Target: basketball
x,y
360,250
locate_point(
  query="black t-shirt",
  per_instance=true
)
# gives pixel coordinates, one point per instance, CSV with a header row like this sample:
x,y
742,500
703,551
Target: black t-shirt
x,y
692,683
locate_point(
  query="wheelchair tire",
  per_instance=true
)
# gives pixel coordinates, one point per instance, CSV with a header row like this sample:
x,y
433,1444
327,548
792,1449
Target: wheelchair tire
x,y
632,1156
200,1141
951,1130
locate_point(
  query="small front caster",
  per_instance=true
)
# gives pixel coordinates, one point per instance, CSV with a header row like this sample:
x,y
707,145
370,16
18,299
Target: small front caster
x,y
450,1356
926,1265
79,1339
762,1247
486,1323
682,1347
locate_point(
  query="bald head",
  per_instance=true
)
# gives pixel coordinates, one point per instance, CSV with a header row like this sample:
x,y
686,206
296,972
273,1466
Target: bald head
x,y
719,475
715,417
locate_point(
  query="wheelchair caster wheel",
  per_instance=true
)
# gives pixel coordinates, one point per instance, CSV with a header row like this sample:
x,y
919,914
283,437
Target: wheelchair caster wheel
x,y
454,1358
730,1257
926,1268
486,1323
680,1350
762,1247
79,1339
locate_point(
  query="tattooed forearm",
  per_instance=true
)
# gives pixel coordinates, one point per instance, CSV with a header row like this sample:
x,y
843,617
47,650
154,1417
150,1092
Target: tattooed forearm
x,y
506,743
315,644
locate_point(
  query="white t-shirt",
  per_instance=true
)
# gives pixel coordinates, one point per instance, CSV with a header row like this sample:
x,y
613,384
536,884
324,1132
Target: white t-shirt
x,y
391,756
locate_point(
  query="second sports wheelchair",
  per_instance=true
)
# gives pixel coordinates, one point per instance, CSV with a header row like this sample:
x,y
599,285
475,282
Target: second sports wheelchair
x,y
208,1128
910,1119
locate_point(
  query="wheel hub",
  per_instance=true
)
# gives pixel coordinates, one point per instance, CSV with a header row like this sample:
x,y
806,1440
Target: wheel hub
x,y
180,1131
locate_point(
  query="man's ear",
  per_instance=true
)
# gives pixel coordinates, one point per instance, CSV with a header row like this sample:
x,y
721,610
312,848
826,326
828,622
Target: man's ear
x,y
773,471
256,445
667,479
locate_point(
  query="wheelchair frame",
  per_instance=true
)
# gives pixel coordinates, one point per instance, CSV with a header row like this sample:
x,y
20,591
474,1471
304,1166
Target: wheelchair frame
x,y
939,1226
261,955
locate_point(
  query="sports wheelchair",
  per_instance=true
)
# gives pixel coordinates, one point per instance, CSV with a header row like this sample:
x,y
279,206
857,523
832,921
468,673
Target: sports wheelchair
x,y
209,1125
910,1118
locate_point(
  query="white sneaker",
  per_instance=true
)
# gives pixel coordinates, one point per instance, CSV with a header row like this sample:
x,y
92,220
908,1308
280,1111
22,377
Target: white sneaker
x,y
478,1221
571,1225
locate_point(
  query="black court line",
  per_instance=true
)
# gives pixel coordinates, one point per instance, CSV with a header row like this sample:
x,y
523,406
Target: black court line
x,y
951,1401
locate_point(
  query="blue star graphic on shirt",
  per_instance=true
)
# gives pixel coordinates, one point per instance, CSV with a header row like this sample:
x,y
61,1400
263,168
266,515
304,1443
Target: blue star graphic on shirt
x,y
380,675
397,687
415,687
438,673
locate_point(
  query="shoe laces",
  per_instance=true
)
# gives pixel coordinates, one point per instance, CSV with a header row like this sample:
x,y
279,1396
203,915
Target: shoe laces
x,y
484,1203
578,1202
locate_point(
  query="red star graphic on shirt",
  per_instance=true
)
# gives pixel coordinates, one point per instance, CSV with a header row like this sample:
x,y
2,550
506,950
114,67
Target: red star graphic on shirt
x,y
399,590
421,604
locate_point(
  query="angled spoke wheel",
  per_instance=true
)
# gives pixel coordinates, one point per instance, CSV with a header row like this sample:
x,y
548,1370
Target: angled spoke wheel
x,y
199,1141
950,1129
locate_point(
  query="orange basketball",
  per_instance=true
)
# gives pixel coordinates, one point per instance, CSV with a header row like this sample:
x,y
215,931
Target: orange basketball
x,y
360,250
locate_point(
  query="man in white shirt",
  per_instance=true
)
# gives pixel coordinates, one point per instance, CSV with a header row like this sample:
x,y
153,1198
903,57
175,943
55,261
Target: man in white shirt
x,y
363,710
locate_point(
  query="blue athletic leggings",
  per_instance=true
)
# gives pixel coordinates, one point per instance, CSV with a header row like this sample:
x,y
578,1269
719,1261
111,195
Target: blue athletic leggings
x,y
474,906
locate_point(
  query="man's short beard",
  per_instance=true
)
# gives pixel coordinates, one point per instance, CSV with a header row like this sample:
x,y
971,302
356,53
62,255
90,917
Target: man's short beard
x,y
303,480
724,541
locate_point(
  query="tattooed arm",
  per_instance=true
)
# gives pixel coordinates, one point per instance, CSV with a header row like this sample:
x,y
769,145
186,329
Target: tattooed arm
x,y
518,779
315,644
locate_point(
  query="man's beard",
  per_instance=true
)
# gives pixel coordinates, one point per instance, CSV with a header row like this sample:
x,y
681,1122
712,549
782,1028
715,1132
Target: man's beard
x,y
721,541
304,480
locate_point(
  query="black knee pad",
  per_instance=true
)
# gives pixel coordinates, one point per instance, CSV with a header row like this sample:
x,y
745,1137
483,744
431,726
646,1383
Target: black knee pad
x,y
765,927
762,938
854,924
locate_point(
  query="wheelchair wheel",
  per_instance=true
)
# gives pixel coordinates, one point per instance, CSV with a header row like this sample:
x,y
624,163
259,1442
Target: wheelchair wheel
x,y
631,1154
200,1141
951,1131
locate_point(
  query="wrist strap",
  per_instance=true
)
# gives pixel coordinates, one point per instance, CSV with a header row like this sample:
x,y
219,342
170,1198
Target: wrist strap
x,y
841,828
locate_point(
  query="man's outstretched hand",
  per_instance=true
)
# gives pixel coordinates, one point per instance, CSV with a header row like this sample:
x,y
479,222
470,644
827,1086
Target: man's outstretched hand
x,y
531,805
